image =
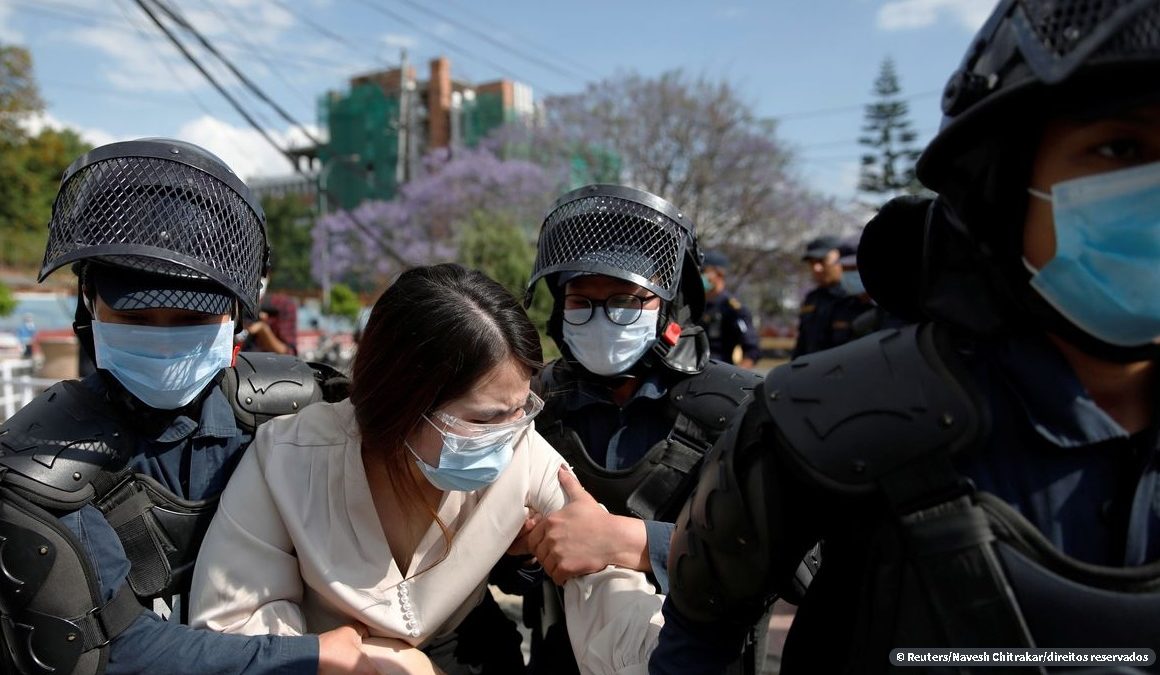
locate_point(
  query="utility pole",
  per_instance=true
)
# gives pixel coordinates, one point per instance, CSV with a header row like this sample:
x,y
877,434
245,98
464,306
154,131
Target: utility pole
x,y
404,125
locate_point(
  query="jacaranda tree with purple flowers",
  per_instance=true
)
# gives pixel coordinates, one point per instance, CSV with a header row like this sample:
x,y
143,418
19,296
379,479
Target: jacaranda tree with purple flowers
x,y
696,142
426,223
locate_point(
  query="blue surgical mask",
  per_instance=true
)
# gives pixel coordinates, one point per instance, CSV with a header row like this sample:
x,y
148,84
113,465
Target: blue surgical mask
x,y
605,348
165,367
474,455
1106,270
468,464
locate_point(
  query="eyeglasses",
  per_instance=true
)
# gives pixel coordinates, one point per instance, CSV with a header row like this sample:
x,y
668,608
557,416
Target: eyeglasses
x,y
622,309
452,425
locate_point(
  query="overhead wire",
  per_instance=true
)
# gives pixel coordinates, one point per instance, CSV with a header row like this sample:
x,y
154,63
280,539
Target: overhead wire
x,y
524,39
82,15
242,77
446,43
257,53
506,46
323,30
363,227
168,66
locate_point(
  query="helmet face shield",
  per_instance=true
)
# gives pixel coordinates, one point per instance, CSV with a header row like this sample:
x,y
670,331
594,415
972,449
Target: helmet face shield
x,y
160,207
619,232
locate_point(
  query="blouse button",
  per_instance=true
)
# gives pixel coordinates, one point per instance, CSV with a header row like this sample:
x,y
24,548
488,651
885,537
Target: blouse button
x,y
414,633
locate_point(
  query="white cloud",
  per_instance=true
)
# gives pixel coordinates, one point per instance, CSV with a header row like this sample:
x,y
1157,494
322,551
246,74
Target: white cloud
x,y
912,14
137,63
140,58
93,136
242,148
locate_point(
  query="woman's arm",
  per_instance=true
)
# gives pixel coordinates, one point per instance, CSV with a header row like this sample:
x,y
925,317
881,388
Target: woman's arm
x,y
613,615
395,657
247,578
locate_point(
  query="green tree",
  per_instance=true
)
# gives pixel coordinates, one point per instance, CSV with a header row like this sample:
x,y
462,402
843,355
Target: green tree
x,y
888,164
288,223
7,301
344,302
19,94
30,166
496,244
30,171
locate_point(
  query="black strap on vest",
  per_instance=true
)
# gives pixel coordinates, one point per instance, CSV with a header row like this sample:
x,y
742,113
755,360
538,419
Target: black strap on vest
x,y
99,626
674,468
952,549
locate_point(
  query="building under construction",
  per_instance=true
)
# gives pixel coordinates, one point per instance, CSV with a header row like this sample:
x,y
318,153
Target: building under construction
x,y
386,121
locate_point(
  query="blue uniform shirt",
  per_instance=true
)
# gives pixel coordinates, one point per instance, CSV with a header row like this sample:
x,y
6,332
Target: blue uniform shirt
x,y
193,459
618,437
1062,462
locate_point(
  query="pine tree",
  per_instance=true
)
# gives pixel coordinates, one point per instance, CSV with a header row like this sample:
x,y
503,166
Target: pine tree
x,y
888,165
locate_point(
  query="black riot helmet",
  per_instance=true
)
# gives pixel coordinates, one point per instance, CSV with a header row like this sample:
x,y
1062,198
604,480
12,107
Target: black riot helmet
x,y
160,207
632,235
1033,60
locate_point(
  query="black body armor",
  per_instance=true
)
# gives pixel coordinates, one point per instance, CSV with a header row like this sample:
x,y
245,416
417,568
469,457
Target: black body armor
x,y
913,554
655,487
69,448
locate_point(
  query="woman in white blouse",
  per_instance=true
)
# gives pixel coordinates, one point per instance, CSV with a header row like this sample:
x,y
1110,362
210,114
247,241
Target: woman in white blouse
x,y
389,509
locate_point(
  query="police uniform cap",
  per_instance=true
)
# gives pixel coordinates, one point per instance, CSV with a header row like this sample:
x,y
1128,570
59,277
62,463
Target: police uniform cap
x,y
716,259
819,247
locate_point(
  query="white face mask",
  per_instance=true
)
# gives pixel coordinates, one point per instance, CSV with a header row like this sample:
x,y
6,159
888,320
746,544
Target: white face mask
x,y
605,348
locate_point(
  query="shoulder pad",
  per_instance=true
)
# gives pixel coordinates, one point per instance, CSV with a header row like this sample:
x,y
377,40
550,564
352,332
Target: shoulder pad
x,y
262,385
714,396
852,414
52,448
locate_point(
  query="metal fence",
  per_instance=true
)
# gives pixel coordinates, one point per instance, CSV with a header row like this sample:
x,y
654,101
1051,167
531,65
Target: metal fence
x,y
18,386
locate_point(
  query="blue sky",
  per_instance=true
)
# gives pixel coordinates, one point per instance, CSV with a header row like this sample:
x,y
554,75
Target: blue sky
x,y
106,71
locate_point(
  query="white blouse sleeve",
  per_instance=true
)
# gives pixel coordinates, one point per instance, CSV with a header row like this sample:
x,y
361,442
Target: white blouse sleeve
x,y
614,615
247,578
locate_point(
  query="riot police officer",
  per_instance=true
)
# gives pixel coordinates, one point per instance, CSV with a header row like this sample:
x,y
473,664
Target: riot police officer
x,y
988,477
727,322
634,402
107,484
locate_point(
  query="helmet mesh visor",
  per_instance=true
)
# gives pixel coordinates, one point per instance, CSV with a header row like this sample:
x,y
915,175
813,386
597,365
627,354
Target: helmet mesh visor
x,y
1064,27
613,236
134,211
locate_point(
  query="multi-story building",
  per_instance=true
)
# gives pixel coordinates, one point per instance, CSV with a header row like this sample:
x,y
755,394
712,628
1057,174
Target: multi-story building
x,y
386,121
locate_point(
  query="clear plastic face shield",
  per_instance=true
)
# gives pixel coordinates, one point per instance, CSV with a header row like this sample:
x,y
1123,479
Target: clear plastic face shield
x,y
462,436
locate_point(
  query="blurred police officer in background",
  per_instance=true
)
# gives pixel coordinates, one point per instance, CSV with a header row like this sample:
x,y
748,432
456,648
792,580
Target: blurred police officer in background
x,y
108,483
989,477
727,322
817,316
633,403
